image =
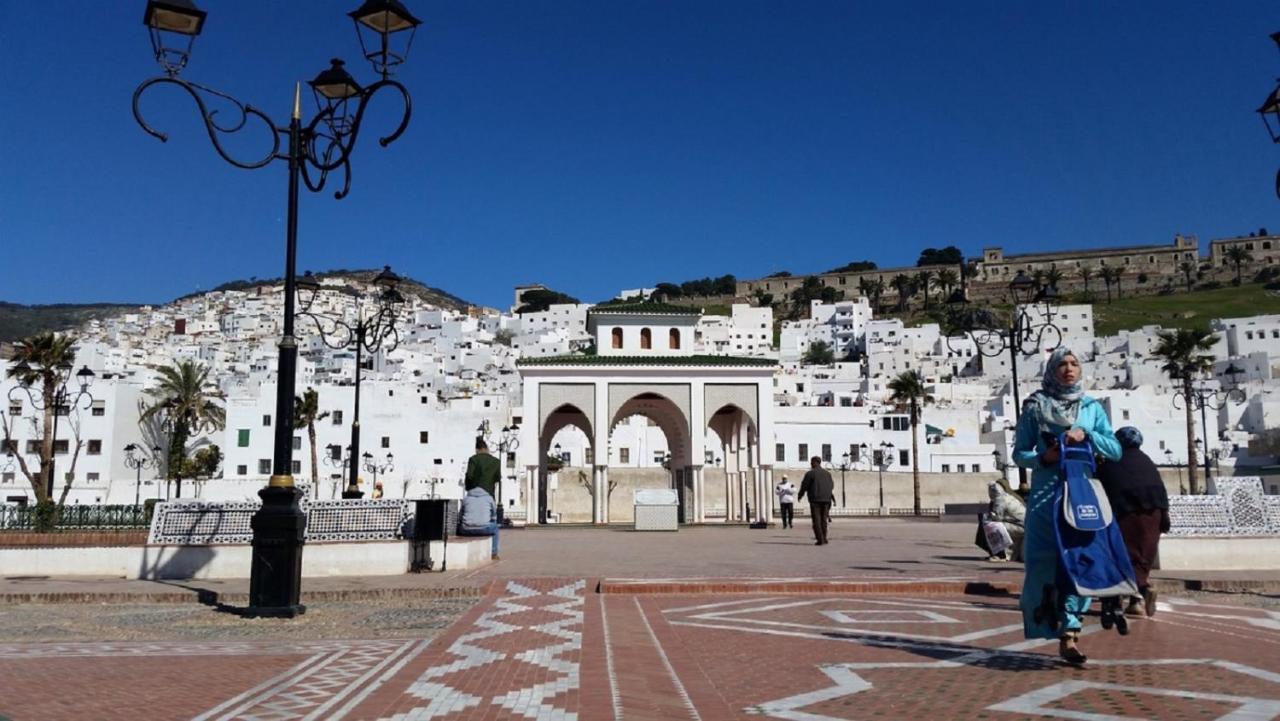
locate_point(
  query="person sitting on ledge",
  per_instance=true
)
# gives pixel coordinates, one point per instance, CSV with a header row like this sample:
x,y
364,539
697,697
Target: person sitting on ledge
x,y
479,517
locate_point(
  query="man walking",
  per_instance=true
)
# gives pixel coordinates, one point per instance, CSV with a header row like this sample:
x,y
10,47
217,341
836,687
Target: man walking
x,y
817,484
786,491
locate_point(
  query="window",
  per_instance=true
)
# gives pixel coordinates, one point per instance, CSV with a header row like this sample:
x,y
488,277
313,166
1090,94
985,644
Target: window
x,y
242,438
803,452
878,458
266,420
95,447
1162,445
946,468
386,441
904,458
826,452
1125,413
438,462
297,443
7,477
780,450
10,445
33,447
617,337
975,468
673,339
337,418
799,388
624,455
511,459
296,467
91,477
242,470
99,408
846,402
423,436
61,446
15,408
335,451
646,339
264,466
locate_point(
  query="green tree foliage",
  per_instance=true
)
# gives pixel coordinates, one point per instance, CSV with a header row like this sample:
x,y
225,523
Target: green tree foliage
x,y
306,412
668,290
857,266
813,289
780,274
819,353
39,362
1239,256
539,299
188,401
949,255
908,389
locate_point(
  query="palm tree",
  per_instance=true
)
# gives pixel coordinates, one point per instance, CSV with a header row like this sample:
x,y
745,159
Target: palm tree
x,y
1188,269
42,359
306,411
877,292
1111,276
1184,354
1053,277
1085,274
1038,276
902,283
185,398
908,388
924,280
1238,255
866,288
947,280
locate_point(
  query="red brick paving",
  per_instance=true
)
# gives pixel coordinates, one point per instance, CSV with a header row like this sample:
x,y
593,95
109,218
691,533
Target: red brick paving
x,y
716,656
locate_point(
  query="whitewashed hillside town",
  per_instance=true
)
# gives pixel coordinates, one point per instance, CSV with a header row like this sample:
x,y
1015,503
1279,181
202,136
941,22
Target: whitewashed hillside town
x,y
446,373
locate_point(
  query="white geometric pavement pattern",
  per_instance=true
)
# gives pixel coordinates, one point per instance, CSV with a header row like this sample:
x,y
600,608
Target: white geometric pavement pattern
x,y
530,702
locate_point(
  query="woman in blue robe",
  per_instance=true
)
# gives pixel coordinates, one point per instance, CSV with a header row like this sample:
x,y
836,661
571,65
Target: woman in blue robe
x,y
1060,406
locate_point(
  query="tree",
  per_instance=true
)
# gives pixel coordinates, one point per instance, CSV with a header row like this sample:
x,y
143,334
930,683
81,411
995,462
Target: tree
x,y
857,266
1085,274
1188,269
668,290
877,292
1239,256
820,353
1038,276
1185,355
306,411
908,388
947,280
1111,276
949,255
503,336
924,281
46,356
905,287
540,299
813,289
762,298
780,274
186,399
1053,277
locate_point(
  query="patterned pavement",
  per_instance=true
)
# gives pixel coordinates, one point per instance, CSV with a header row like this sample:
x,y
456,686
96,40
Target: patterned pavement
x,y
556,649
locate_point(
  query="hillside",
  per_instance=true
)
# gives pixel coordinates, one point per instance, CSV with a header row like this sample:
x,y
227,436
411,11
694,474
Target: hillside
x,y
1184,310
18,321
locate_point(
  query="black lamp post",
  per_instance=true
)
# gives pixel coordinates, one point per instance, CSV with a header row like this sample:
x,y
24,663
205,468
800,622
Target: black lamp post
x,y
375,466
62,400
1202,395
1168,457
1270,112
507,440
886,459
1019,335
373,329
337,457
322,146
844,466
133,460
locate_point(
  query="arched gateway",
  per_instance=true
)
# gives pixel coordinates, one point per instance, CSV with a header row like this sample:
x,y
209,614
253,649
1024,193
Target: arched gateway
x,y
712,409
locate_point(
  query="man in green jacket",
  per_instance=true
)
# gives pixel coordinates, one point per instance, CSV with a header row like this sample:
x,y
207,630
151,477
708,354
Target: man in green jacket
x,y
483,470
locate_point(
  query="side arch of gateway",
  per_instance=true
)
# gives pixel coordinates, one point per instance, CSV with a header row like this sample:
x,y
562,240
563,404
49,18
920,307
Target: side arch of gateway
x,y
702,404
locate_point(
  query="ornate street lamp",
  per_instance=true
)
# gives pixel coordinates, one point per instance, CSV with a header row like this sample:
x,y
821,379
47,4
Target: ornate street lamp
x,y
369,327
1270,112
321,146
844,466
886,460
1202,395
375,467
61,399
133,459
507,441
337,457
1020,334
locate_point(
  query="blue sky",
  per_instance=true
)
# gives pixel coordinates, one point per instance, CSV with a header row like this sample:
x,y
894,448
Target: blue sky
x,y
597,145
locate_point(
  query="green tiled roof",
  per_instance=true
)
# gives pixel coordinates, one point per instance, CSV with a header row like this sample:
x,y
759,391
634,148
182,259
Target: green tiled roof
x,y
646,309
651,360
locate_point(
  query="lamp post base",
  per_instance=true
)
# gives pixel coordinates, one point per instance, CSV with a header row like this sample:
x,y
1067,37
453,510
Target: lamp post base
x,y
275,580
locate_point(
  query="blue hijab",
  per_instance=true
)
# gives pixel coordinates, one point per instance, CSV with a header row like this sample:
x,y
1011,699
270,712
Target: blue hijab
x,y
1056,405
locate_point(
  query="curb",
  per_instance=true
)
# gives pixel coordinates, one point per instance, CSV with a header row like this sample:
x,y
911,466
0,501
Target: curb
x,y
936,588
212,598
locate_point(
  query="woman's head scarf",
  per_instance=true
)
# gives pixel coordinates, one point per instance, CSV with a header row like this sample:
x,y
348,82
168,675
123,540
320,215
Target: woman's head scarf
x,y
1129,437
1056,404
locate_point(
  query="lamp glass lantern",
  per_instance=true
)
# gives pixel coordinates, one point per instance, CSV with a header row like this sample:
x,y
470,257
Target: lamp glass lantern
x,y
1270,112
1022,288
169,21
333,87
85,376
308,289
377,22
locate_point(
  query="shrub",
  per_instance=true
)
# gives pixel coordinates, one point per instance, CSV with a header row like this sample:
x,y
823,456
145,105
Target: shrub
x,y
46,517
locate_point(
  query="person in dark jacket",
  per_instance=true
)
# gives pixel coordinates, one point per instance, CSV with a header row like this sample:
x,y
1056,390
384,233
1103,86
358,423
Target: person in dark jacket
x,y
1141,506
819,487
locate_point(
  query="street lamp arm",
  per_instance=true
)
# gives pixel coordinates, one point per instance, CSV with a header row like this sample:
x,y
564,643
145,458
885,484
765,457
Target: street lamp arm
x,y
339,144
338,334
210,120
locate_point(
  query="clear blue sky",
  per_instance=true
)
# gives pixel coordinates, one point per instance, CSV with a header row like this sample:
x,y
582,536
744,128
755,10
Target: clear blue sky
x,y
596,145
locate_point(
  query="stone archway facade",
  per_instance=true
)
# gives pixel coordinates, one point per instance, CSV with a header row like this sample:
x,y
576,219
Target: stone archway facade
x,y
693,399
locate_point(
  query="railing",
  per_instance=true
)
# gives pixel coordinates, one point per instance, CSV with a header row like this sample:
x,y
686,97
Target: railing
x,y
27,518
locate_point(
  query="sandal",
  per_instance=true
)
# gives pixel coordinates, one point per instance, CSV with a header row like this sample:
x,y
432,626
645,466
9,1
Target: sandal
x,y
1068,651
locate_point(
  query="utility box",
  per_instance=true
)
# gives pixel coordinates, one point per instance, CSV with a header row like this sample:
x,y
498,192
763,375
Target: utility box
x,y
656,509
